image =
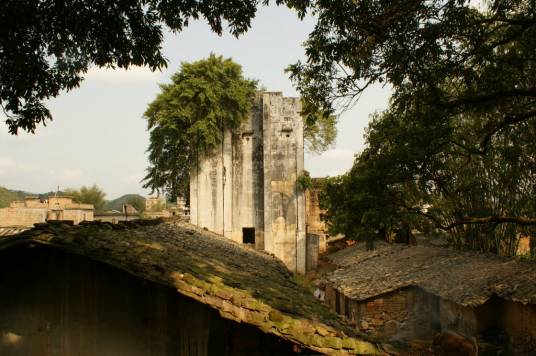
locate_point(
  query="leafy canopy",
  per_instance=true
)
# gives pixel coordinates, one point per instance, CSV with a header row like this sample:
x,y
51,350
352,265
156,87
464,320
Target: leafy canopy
x,y
46,46
88,195
188,117
455,145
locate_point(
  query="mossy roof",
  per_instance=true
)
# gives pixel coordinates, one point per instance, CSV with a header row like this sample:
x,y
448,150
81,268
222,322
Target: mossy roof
x,y
242,284
465,277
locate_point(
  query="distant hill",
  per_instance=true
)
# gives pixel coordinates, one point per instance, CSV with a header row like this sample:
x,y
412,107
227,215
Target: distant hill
x,y
117,204
7,196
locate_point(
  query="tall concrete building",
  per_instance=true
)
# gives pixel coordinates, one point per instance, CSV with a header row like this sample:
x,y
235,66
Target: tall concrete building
x,y
247,189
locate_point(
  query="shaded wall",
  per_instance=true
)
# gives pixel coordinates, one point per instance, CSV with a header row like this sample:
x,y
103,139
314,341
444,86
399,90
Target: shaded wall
x,y
56,304
405,314
313,213
411,313
519,323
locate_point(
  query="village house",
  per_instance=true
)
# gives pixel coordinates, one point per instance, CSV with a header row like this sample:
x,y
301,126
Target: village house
x,y
247,189
406,293
34,210
157,207
155,203
152,288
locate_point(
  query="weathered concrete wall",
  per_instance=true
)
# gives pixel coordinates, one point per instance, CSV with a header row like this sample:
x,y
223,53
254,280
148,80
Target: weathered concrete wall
x,y
250,181
284,213
57,304
312,252
247,178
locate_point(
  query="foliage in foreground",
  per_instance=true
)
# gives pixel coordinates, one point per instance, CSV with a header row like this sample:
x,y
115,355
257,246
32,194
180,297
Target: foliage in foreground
x,y
455,150
47,46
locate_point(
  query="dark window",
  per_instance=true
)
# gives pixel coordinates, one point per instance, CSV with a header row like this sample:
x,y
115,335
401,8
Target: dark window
x,y
248,235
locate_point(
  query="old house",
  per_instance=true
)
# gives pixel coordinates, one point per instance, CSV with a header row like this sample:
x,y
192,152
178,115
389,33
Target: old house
x,y
246,190
155,203
34,210
150,288
404,293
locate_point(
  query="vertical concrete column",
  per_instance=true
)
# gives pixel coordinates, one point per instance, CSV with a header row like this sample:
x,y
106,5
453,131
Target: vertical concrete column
x,y
193,193
267,167
301,246
227,182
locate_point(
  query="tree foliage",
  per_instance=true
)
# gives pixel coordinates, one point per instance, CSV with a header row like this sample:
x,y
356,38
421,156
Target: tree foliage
x,y
88,195
320,128
46,46
188,117
454,148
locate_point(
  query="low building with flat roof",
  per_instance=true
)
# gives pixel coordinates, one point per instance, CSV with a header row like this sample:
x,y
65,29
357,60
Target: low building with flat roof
x,y
33,210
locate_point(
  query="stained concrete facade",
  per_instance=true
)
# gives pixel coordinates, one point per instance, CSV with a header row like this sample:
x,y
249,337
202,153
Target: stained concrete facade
x,y
246,190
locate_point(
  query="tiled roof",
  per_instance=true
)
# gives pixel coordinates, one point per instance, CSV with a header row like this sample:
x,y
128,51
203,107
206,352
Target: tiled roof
x,y
8,231
242,284
467,278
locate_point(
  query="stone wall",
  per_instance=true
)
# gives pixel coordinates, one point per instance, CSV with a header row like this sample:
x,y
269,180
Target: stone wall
x,y
246,189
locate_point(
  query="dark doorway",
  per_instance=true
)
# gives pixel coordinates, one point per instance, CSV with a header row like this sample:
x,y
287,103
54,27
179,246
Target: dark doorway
x,y
248,235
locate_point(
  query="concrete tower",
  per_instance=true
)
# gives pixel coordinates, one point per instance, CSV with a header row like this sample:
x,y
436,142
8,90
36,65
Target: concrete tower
x,y
247,189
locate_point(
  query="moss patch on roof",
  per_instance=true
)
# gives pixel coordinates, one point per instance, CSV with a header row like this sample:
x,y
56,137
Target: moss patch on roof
x,y
242,284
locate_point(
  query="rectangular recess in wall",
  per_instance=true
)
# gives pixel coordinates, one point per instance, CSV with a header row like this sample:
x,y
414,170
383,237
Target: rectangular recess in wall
x,y
248,235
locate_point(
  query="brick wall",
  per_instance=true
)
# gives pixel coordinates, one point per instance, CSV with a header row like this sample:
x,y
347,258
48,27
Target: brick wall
x,y
403,314
411,313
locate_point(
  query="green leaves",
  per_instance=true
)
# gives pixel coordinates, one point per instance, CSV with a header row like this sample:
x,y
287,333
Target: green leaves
x,y
88,195
189,116
46,46
454,147
320,130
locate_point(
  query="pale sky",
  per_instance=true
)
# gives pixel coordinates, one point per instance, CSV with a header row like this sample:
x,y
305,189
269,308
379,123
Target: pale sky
x,y
98,135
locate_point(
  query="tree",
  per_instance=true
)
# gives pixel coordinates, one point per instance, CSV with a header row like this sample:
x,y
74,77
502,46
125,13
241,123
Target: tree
x,y
319,129
402,179
46,46
464,100
88,195
188,118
